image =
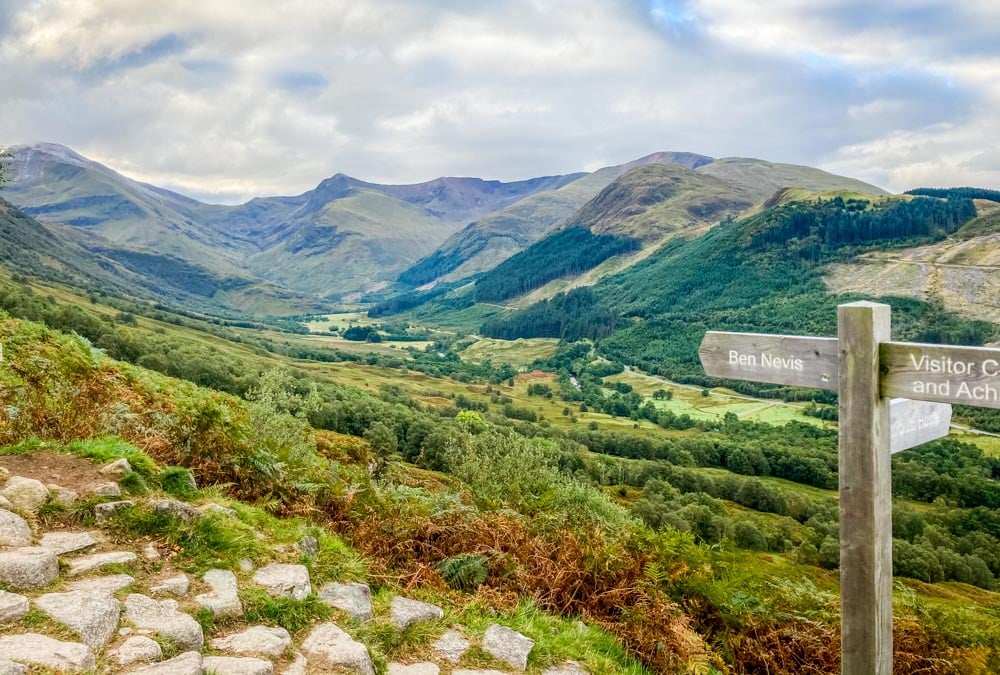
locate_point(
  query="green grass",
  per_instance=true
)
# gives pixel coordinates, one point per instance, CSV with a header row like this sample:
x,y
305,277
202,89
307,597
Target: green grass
x,y
518,353
292,615
108,449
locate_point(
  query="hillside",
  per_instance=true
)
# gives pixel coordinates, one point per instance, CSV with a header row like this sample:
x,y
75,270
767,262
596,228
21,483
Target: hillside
x,y
762,179
484,244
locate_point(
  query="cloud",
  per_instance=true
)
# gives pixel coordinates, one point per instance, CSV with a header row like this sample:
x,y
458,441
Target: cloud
x,y
227,100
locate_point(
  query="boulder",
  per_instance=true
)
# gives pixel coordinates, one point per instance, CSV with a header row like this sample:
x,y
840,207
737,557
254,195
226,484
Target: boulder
x,y
414,669
172,507
508,646
175,585
11,668
568,668
14,530
406,612
117,468
107,510
28,568
26,495
232,665
61,543
94,561
41,650
355,599
297,667
62,496
452,645
12,607
309,546
108,490
219,510
136,649
466,671
284,581
164,618
110,584
92,615
224,599
255,640
188,663
328,647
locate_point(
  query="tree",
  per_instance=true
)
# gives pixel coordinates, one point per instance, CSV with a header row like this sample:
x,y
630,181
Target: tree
x,y
383,442
5,169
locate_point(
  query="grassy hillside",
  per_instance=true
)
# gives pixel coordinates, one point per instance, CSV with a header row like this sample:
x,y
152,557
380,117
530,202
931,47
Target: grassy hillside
x,y
762,179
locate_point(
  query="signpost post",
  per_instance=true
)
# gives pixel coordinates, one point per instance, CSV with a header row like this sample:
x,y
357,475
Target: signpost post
x,y
893,396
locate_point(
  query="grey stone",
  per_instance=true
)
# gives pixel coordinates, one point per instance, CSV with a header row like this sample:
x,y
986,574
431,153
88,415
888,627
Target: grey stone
x,y
507,645
94,561
188,663
224,599
61,543
327,646
452,645
176,585
164,618
150,552
5,504
12,607
568,668
62,496
118,468
284,581
246,565
297,667
406,612
11,668
110,584
414,669
232,665
355,599
103,512
256,640
309,546
220,510
466,671
90,614
177,509
40,650
136,649
14,530
28,568
26,495
108,490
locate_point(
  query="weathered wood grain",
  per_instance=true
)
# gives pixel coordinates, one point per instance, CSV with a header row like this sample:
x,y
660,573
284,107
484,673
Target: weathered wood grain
x,y
948,374
913,423
865,493
778,359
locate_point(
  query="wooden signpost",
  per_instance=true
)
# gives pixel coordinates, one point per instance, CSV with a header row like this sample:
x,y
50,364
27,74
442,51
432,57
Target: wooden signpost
x,y
893,396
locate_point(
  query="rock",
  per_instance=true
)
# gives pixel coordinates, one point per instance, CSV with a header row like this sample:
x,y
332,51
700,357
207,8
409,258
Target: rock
x,y
177,509
61,543
110,584
5,504
14,530
26,495
90,614
176,585
220,510
136,649
11,668
507,645
256,640
284,581
297,667
103,512
108,490
118,468
93,561
164,618
62,496
224,600
12,607
27,568
414,669
188,663
452,645
465,671
406,612
568,668
231,665
40,650
327,646
246,565
309,546
355,599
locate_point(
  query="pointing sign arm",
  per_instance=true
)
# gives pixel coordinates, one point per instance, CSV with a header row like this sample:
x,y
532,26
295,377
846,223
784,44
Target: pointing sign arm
x,y
966,375
778,359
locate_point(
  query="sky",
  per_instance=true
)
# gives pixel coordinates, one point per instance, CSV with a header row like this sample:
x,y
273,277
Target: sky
x,y
229,99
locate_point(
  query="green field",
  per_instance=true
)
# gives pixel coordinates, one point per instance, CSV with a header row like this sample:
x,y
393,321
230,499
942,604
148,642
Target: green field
x,y
518,353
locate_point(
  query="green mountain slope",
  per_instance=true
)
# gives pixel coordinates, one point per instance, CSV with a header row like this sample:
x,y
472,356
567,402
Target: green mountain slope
x,y
762,179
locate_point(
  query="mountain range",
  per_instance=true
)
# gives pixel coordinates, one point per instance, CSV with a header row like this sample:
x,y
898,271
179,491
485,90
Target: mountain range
x,y
348,238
